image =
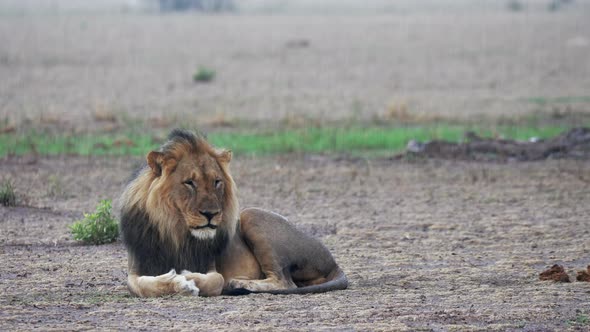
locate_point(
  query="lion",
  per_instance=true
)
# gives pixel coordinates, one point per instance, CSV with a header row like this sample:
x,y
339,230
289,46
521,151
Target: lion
x,y
185,234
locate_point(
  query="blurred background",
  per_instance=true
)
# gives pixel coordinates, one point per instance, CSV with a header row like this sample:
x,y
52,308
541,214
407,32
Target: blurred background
x,y
515,68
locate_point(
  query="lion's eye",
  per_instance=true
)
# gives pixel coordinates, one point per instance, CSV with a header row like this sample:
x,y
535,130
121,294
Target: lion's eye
x,y
218,183
190,183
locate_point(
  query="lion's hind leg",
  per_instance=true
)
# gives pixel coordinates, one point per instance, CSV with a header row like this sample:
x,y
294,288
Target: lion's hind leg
x,y
164,284
287,258
271,283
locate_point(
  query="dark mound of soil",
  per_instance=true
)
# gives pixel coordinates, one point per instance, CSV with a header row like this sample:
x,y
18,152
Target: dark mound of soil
x,y
572,144
584,275
555,273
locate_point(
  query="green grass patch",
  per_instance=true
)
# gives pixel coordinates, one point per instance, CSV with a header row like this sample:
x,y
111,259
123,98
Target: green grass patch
x,y
97,228
557,100
580,320
90,144
351,140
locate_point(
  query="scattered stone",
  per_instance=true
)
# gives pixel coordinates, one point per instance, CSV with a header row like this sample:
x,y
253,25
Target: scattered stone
x,y
415,146
584,275
555,273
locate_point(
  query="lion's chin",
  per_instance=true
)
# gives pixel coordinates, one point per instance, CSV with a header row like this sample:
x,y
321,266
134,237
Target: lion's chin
x,y
203,233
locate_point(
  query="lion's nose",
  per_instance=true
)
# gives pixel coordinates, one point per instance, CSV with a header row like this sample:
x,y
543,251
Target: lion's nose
x,y
209,214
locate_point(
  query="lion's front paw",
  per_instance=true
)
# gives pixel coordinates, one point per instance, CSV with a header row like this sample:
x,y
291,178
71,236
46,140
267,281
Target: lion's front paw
x,y
210,284
214,284
184,286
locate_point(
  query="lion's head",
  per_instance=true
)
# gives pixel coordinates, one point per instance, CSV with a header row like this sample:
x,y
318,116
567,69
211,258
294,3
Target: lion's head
x,y
186,188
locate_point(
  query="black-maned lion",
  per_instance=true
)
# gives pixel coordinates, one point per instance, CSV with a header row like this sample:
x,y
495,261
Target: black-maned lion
x,y
184,233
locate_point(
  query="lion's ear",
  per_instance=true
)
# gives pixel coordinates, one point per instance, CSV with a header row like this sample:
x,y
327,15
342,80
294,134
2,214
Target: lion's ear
x,y
155,160
224,156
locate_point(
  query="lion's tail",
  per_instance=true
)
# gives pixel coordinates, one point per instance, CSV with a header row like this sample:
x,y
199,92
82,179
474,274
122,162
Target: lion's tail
x,y
338,281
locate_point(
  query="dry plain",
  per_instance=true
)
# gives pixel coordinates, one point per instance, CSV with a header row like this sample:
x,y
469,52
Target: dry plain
x,y
427,244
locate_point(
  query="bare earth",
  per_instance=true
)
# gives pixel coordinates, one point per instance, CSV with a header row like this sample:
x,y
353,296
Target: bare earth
x,y
427,245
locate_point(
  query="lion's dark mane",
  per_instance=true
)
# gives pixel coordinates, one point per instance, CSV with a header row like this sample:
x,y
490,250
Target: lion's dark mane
x,y
155,255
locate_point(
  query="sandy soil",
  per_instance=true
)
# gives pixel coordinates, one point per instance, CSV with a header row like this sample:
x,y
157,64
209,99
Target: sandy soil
x,y
62,69
427,245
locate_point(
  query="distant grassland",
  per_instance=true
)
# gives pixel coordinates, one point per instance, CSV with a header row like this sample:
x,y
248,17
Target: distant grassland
x,y
354,140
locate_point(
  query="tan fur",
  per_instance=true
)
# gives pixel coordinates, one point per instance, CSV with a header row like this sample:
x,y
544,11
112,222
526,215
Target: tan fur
x,y
165,284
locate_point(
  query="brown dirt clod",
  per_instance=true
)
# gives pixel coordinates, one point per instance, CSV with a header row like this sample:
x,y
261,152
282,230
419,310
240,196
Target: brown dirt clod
x,y
555,273
574,143
584,275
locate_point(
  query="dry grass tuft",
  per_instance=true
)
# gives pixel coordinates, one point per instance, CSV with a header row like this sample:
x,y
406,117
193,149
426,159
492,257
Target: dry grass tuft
x,y
7,194
102,114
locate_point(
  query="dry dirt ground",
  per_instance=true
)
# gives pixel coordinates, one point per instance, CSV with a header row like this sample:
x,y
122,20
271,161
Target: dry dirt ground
x,y
427,245
63,69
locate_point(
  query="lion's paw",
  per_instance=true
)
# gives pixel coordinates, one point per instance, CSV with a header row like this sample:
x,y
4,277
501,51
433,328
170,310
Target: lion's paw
x,y
168,276
239,284
184,286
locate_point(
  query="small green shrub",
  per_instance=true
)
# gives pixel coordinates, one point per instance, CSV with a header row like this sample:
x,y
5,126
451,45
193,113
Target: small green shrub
x,y
580,320
204,74
7,194
97,228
